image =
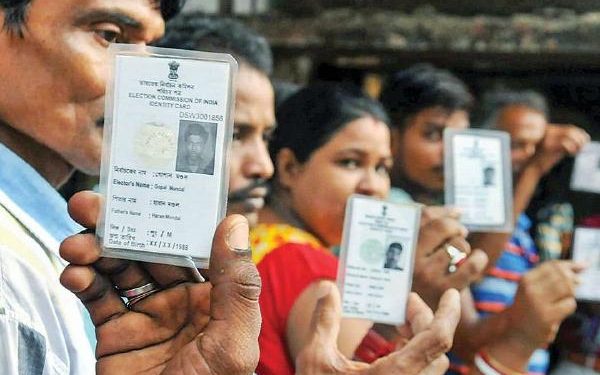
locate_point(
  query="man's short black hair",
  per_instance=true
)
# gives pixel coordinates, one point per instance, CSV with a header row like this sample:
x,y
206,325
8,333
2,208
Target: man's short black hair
x,y
196,31
195,130
420,87
395,245
16,10
495,101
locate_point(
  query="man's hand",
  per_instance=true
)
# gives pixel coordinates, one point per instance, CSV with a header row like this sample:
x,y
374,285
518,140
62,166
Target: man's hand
x,y
559,141
185,327
431,277
544,299
425,339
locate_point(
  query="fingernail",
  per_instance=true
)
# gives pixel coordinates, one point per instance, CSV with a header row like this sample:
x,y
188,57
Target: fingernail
x,y
238,237
583,265
455,211
325,290
464,232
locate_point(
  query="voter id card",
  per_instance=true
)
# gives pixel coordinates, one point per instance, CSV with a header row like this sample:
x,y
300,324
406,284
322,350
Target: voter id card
x,y
164,175
376,259
478,178
586,250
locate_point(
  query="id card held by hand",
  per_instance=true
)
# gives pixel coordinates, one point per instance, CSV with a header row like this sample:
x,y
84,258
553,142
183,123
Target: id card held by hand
x,y
376,259
478,178
164,174
586,249
586,172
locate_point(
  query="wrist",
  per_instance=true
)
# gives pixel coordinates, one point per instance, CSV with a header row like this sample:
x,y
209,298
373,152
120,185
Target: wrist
x,y
535,169
516,336
487,364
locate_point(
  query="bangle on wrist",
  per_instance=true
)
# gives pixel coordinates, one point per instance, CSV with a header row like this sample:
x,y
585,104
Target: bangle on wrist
x,y
484,367
497,365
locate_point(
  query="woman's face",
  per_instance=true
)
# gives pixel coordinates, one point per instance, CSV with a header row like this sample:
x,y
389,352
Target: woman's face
x,y
357,159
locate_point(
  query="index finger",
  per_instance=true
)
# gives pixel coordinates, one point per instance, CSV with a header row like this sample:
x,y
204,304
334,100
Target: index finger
x,y
470,270
437,232
436,212
572,265
84,208
428,345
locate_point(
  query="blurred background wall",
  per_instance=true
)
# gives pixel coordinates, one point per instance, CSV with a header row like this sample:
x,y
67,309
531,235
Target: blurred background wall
x,y
552,46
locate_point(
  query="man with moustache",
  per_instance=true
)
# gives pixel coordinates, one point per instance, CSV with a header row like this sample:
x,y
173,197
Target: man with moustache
x,y
254,116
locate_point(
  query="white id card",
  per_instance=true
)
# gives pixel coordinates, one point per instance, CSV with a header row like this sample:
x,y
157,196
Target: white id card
x,y
164,175
376,259
586,249
586,172
478,178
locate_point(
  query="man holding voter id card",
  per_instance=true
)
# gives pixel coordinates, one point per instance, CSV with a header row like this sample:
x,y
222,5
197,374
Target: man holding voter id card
x,y
421,102
51,123
53,60
505,333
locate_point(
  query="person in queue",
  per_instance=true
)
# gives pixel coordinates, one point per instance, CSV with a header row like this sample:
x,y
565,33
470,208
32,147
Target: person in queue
x,y
530,301
53,60
536,147
330,142
254,115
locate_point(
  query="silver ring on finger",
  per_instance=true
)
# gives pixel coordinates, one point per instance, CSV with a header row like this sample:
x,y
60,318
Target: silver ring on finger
x,y
132,301
457,257
136,292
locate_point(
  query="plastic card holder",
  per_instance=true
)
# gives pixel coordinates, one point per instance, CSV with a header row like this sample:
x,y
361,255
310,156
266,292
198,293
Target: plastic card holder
x,y
164,175
478,178
376,259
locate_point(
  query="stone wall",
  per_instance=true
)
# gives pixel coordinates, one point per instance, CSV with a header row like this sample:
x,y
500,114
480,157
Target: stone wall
x,y
552,30
458,7
373,38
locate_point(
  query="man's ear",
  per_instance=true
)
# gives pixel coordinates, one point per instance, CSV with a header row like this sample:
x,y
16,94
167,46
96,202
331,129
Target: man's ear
x,y
287,168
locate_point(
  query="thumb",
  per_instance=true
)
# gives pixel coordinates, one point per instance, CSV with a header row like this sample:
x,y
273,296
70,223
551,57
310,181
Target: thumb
x,y
234,310
235,279
325,322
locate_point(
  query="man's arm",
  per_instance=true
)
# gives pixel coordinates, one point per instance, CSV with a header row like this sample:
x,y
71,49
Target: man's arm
x,y
560,141
544,298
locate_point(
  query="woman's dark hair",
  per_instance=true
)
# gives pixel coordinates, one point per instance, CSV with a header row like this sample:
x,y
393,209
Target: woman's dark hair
x,y
15,12
309,118
423,86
